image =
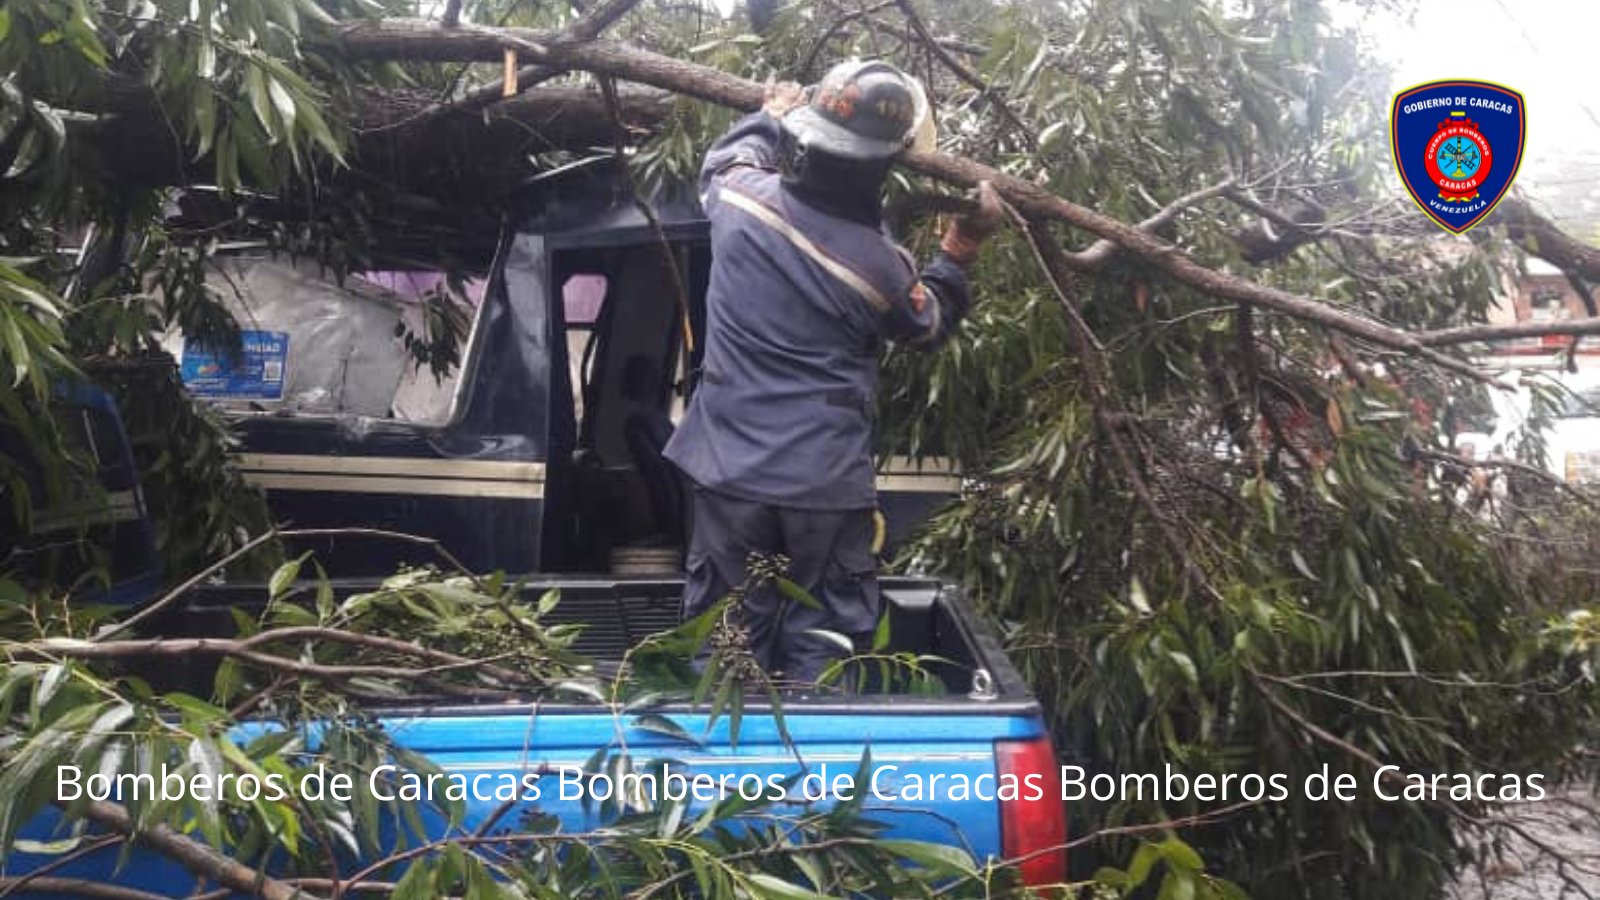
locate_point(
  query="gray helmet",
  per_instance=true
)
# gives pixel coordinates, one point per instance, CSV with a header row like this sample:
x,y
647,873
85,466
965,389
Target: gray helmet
x,y
860,110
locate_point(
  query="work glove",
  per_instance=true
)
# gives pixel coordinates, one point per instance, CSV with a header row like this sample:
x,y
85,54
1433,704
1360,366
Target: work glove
x,y
781,96
968,231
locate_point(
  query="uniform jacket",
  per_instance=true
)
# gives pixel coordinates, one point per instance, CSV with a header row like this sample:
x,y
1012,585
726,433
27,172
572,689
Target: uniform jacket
x,y
799,306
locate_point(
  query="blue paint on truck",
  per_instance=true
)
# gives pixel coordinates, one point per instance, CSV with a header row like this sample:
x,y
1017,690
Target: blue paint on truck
x,y
537,470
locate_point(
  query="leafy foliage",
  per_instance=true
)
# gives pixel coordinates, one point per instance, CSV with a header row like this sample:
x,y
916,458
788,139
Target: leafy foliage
x,y
301,690
1217,538
1238,557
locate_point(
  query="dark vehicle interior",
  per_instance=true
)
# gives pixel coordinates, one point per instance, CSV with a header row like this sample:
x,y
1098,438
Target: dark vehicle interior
x,y
626,367
82,524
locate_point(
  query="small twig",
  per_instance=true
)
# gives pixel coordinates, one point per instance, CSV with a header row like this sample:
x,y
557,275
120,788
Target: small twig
x,y
1511,465
10,886
953,44
241,650
173,595
1102,250
443,660
76,887
359,887
806,67
965,74
1089,350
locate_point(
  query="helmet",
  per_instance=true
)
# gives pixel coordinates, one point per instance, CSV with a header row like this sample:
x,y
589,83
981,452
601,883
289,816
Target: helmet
x,y
860,111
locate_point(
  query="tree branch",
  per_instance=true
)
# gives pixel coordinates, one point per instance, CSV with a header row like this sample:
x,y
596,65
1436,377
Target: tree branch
x,y
1468,334
591,25
77,887
1544,239
1512,465
808,65
1101,251
245,651
201,860
961,71
1088,349
11,886
390,38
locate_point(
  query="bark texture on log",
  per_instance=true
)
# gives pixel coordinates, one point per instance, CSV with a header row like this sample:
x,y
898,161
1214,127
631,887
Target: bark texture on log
x,y
482,153
693,80
198,858
1544,239
553,118
422,40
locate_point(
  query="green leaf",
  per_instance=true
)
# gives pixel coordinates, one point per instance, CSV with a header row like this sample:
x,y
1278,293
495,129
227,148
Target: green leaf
x,y
588,689
1300,565
880,635
1110,877
1136,596
285,577
255,86
282,102
47,848
1144,860
325,604
660,724
1181,855
793,591
1186,666
940,858
45,690
225,686
833,637
763,885
1177,885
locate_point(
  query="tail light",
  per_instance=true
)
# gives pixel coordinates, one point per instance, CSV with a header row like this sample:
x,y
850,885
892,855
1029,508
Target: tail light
x,y
1033,826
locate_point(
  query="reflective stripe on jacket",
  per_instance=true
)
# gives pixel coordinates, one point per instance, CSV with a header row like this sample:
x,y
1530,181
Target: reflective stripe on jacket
x,y
799,305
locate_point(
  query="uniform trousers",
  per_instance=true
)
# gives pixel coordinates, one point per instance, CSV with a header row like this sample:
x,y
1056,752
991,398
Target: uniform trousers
x,y
830,557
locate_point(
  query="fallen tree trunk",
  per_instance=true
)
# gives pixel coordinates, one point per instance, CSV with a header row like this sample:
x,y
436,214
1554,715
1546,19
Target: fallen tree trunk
x,y
464,152
383,39
1544,239
412,142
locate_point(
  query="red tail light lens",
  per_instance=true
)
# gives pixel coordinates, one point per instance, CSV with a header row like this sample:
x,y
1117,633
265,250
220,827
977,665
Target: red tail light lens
x,y
1036,819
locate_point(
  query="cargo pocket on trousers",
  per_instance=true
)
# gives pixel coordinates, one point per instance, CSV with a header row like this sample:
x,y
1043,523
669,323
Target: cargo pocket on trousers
x,y
698,586
853,595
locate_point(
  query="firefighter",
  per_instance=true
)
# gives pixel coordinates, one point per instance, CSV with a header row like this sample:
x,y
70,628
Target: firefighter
x,y
805,288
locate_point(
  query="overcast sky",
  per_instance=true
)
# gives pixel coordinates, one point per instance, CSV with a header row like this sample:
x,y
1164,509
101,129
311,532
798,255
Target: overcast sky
x,y
1547,49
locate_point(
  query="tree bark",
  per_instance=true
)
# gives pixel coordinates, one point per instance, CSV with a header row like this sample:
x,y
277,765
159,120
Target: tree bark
x,y
1544,239
204,861
478,153
422,40
380,39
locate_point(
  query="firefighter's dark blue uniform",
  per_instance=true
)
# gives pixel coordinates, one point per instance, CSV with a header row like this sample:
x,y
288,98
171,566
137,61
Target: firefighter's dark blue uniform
x,y
778,436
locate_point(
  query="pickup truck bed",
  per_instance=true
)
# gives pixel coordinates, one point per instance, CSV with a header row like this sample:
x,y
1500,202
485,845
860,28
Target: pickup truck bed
x,y
959,736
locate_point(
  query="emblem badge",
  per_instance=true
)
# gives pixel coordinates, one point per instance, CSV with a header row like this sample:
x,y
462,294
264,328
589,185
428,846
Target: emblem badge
x,y
1457,146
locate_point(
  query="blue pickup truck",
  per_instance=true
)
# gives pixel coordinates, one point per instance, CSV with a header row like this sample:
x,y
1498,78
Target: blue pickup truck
x,y
540,454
